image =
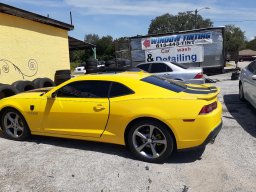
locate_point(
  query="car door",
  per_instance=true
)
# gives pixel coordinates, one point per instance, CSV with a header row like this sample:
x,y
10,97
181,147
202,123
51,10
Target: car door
x,y
250,83
161,69
80,108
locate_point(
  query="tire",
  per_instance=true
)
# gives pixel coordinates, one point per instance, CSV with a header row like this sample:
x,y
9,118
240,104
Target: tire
x,y
61,72
235,76
7,91
221,70
241,92
144,146
91,62
91,70
43,82
22,86
110,62
14,125
61,76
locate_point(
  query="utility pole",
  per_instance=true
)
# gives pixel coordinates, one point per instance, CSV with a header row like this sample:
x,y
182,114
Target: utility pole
x,y
196,12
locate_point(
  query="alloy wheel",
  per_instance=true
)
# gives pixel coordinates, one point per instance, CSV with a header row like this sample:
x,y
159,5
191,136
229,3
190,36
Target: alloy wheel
x,y
13,124
149,141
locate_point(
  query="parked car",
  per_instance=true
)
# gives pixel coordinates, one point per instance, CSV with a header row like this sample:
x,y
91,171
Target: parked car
x,y
79,70
174,71
247,84
152,115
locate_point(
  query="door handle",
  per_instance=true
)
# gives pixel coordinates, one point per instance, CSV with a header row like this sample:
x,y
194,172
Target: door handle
x,y
98,107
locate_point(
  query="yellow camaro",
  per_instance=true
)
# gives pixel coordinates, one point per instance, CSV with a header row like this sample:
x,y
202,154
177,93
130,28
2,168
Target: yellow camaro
x,y
151,115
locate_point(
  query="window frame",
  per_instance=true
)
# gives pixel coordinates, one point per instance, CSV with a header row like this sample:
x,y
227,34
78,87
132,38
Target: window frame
x,y
80,81
252,65
108,91
149,66
166,67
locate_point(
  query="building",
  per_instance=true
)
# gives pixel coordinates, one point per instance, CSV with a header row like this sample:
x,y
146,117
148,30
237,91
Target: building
x,y
247,55
31,45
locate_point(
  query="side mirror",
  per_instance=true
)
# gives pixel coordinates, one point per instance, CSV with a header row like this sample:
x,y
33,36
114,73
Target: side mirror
x,y
254,77
54,95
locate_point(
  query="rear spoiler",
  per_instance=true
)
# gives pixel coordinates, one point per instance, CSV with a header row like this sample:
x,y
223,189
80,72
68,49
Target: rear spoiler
x,y
210,96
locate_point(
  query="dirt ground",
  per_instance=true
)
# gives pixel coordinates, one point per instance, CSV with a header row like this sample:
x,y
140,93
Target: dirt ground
x,y
50,164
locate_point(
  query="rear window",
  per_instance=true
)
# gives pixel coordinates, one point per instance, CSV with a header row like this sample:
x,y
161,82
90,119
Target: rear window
x,y
144,67
165,83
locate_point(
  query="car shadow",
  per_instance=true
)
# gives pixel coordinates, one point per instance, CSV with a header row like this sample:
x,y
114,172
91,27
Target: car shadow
x,y
242,112
119,150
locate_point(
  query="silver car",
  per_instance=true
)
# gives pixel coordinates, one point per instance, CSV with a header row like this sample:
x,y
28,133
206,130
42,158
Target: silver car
x,y
247,84
174,71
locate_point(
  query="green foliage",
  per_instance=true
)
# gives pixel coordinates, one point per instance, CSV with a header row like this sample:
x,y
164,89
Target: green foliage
x,y
234,41
168,23
251,44
91,38
79,56
73,65
105,48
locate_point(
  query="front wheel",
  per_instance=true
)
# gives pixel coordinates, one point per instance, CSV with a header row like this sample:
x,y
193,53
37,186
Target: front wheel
x,y
14,125
241,92
150,141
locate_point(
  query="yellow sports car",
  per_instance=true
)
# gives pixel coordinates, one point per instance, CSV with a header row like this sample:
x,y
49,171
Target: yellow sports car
x,y
153,116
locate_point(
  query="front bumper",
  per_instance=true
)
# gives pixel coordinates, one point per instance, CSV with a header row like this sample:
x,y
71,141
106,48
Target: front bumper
x,y
210,139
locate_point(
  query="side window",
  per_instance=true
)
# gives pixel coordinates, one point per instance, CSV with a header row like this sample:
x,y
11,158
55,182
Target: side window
x,y
118,89
168,69
252,67
85,89
158,68
144,67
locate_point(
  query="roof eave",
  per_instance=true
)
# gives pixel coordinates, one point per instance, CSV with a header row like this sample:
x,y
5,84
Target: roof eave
x,y
7,9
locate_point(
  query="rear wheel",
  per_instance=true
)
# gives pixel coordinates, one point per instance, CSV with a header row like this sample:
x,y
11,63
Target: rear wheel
x,y
241,92
150,141
14,125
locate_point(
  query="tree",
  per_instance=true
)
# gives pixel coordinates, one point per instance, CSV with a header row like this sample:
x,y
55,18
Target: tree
x,y
168,23
251,44
91,38
105,48
234,41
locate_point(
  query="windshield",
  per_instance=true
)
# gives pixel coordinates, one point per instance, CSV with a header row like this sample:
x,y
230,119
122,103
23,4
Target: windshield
x,y
165,83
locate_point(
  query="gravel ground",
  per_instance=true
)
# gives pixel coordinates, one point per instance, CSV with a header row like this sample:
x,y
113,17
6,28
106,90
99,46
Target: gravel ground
x,y
50,164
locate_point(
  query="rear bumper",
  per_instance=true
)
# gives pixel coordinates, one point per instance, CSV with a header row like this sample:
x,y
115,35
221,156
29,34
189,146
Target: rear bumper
x,y
210,139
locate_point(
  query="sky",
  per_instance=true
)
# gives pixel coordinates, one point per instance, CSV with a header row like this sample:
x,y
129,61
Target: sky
x,y
126,18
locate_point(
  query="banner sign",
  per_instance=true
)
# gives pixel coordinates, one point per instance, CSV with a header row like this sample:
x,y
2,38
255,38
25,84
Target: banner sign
x,y
176,40
189,54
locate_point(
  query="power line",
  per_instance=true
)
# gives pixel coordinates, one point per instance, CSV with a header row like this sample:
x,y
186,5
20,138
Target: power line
x,y
248,20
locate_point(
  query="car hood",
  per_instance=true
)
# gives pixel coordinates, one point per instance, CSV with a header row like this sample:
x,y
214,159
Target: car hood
x,y
35,93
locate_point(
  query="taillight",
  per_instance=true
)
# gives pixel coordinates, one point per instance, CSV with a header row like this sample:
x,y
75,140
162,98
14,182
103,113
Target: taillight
x,y
199,76
208,108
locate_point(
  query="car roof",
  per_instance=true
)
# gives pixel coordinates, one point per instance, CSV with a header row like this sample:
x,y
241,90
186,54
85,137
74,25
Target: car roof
x,y
131,75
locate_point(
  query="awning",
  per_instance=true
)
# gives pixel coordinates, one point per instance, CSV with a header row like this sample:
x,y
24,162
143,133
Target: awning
x,y
76,44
